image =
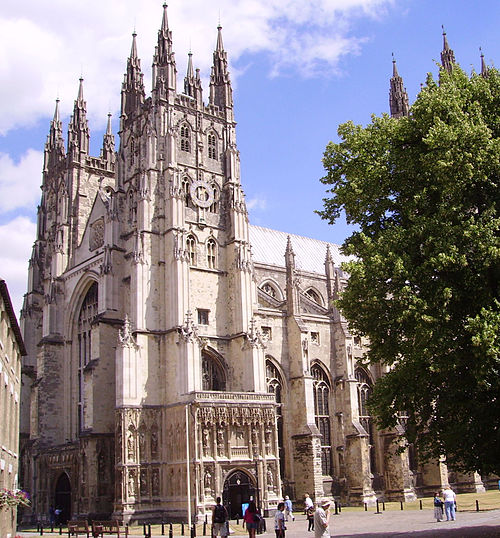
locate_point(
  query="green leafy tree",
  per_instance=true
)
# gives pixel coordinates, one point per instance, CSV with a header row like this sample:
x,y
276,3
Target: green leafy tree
x,y
424,193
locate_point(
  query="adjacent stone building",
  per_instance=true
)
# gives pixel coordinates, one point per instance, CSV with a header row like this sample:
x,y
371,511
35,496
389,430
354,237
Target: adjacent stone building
x,y
176,352
11,351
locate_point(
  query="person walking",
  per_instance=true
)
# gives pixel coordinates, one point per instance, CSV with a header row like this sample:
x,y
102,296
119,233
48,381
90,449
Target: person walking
x,y
307,502
449,503
310,517
279,521
252,519
219,519
322,519
288,508
438,507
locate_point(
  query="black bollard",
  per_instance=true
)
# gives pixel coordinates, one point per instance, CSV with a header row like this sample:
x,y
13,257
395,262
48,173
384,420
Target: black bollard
x,y
171,531
52,527
477,505
206,518
340,508
378,510
60,530
162,528
237,521
366,507
383,506
193,531
401,505
205,527
336,509
421,504
41,529
182,529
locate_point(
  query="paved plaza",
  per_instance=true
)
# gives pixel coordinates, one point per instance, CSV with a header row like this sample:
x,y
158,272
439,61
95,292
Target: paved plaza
x,y
415,523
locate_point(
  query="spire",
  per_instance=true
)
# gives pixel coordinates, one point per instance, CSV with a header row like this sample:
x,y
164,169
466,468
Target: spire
x,y
189,79
398,97
447,54
164,69
133,94
221,93
484,69
108,143
78,128
54,147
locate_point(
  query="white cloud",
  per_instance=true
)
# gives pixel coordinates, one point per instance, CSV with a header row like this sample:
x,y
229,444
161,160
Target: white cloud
x,y
47,44
19,181
257,203
16,238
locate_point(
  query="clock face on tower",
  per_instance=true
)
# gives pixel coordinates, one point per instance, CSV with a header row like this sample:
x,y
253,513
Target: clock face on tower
x,y
202,193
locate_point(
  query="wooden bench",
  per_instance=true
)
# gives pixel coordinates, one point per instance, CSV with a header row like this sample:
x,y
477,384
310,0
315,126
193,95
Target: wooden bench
x,y
78,527
100,528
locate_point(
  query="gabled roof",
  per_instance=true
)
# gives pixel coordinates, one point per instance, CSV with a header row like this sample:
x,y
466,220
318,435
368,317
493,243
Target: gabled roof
x,y
268,247
4,292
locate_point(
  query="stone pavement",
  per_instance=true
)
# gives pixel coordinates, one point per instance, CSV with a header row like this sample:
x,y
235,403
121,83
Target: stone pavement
x,y
414,523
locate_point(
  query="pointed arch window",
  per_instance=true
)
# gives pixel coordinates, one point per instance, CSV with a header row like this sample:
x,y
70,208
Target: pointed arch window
x,y
213,376
321,389
212,146
185,138
211,254
364,390
214,207
191,250
275,386
88,312
315,296
270,290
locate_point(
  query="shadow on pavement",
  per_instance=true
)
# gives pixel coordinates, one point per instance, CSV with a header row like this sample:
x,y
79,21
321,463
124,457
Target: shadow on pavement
x,y
463,532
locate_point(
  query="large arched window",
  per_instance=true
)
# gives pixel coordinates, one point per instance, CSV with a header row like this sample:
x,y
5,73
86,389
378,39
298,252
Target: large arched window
x,y
185,138
364,391
191,249
211,254
88,312
275,386
213,376
321,387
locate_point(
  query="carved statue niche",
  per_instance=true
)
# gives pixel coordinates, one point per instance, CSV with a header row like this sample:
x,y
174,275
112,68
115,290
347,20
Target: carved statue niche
x,y
221,441
269,439
205,435
131,444
255,439
142,443
144,482
155,482
154,442
132,479
207,480
270,478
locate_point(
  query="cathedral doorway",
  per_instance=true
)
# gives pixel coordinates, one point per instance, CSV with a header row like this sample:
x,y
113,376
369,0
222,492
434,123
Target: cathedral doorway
x,y
62,498
239,488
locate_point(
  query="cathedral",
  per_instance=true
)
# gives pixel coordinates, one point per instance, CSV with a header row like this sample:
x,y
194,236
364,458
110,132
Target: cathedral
x,y
177,353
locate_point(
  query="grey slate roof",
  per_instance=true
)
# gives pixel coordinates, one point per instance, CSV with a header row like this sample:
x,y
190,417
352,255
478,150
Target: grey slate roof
x,y
268,247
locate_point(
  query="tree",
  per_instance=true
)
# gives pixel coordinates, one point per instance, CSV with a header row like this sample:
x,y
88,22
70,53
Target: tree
x,y
424,193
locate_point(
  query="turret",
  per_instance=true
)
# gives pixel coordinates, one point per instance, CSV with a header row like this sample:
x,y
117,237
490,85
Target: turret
x,y
221,92
192,82
54,147
447,54
484,69
78,129
108,144
133,85
398,98
164,69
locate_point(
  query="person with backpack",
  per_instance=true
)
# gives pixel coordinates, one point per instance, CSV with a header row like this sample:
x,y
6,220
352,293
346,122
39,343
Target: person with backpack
x,y
219,519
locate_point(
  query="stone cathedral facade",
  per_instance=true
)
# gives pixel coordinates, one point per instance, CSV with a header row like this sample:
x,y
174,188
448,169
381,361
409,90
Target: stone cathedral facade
x,y
175,352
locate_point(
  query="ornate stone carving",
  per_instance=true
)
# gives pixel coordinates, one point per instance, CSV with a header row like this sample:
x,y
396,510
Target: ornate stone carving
x,y
96,239
155,482
125,334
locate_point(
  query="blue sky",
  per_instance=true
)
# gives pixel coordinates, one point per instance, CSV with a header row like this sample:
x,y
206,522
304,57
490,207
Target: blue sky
x,y
299,69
